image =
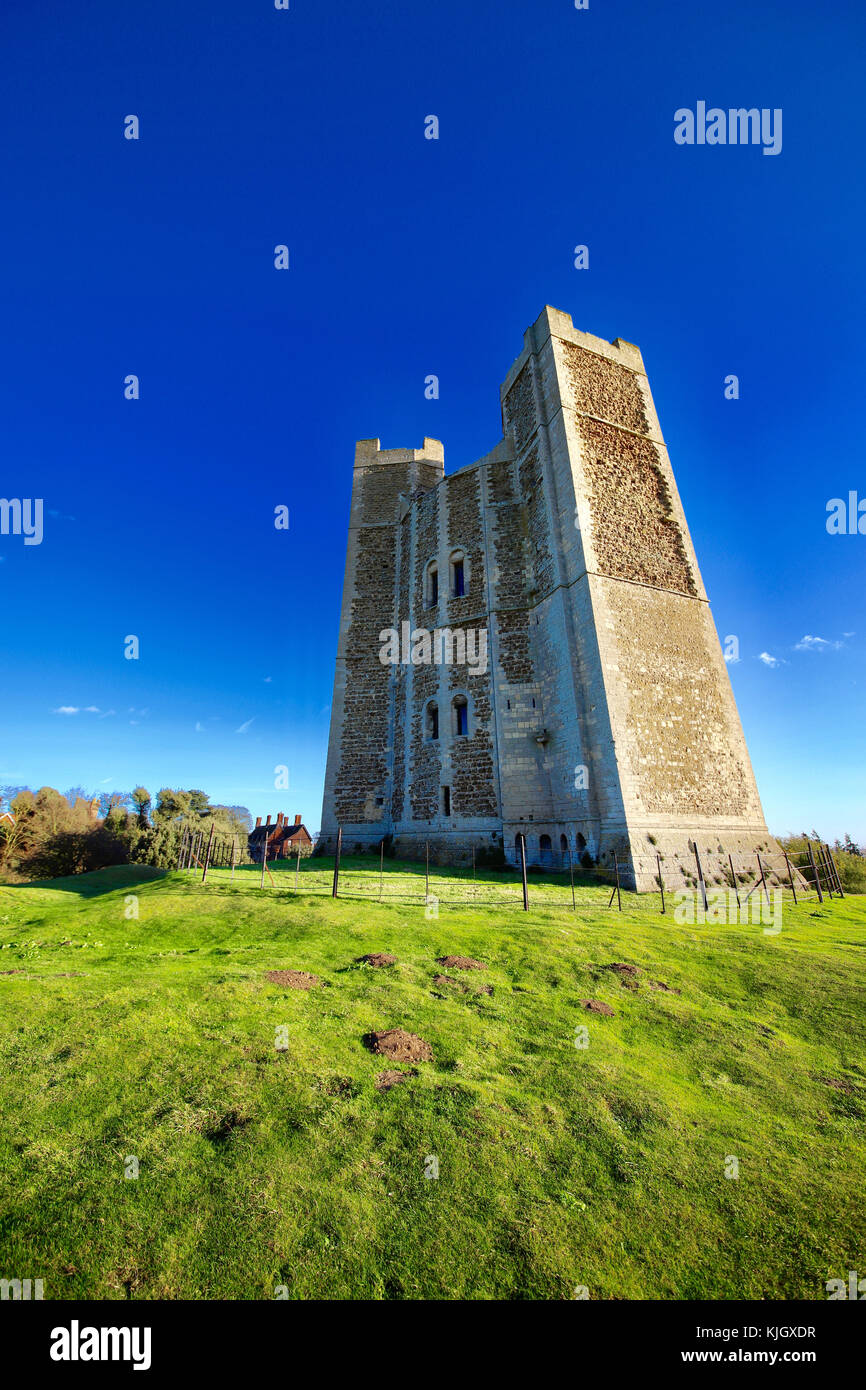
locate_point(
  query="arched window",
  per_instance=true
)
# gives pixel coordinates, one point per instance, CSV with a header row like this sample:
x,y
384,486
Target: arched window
x,y
580,840
431,723
563,844
545,849
459,574
460,715
431,585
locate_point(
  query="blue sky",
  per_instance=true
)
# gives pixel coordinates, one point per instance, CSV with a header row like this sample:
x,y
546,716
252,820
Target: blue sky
x,y
408,257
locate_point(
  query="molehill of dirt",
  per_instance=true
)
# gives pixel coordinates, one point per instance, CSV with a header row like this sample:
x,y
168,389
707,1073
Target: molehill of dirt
x,y
293,979
399,1046
596,1006
378,959
386,1079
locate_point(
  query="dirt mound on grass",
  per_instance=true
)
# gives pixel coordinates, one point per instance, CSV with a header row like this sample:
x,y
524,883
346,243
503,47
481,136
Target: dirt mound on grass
x,y
293,979
460,963
837,1083
660,984
399,1046
386,1079
378,959
448,980
627,973
596,1006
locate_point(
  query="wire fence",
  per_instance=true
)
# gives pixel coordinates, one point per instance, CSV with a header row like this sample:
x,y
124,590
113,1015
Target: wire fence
x,y
562,881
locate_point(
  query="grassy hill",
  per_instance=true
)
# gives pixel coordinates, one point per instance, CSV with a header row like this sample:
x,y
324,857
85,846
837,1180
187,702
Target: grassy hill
x,y
558,1165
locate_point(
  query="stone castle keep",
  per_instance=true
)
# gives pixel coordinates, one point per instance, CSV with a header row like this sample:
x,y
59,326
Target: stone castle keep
x,y
602,719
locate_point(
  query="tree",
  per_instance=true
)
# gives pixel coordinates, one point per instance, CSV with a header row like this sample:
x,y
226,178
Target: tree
x,y
78,794
140,798
108,801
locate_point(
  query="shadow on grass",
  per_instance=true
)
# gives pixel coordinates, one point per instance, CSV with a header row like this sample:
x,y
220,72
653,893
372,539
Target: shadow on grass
x,y
100,881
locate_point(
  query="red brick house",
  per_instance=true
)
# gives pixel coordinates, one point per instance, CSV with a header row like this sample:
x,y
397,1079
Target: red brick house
x,y
283,840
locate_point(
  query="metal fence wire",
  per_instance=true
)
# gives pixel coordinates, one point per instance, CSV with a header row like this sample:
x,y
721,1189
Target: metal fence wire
x,y
808,873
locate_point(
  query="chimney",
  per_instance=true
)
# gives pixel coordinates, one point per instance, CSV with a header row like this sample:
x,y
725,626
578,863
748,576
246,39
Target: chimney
x,y
267,822
258,821
297,820
279,818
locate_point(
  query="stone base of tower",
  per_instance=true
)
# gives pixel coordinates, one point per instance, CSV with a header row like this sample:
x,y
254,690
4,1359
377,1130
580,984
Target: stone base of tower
x,y
642,853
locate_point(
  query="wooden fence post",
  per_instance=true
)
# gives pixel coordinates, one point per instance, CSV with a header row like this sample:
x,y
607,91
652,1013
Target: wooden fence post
x,y
297,868
700,874
814,869
790,876
335,885
571,875
835,871
763,878
661,881
264,858
736,886
616,871
523,871
207,856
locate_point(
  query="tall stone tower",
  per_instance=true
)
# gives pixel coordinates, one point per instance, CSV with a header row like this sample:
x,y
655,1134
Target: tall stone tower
x,y
602,719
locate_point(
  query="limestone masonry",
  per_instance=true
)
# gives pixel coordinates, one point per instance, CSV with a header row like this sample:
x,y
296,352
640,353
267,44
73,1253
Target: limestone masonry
x,y
602,719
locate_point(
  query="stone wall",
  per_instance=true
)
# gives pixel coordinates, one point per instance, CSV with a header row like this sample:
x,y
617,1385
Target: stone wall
x,y
605,718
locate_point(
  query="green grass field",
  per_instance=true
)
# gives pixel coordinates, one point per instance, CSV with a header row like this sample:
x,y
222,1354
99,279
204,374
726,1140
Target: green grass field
x,y
559,1166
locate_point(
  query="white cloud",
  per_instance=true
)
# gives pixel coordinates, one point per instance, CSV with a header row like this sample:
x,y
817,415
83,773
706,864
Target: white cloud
x,y
84,709
815,644
769,660
268,680
199,728
243,728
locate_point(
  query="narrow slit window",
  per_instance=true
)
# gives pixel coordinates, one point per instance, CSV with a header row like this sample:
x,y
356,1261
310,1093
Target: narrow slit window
x,y
461,716
446,801
459,578
432,720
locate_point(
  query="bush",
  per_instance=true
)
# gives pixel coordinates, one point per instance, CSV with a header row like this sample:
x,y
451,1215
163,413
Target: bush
x,y
851,869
